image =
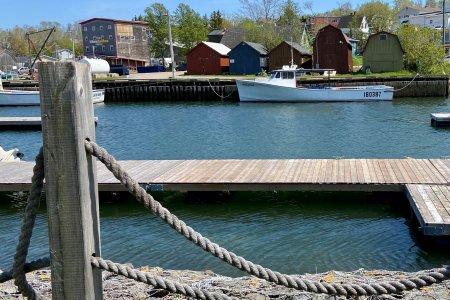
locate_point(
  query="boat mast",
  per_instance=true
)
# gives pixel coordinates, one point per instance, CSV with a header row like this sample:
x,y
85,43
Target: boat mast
x,y
292,54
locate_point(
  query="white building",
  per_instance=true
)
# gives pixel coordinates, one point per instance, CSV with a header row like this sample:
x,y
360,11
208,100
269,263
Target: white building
x,y
411,11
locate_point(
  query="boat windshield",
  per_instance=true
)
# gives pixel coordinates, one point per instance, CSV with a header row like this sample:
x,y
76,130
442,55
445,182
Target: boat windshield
x,y
283,75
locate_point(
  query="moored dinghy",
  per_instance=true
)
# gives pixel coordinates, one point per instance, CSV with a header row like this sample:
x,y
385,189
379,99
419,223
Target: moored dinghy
x,y
282,87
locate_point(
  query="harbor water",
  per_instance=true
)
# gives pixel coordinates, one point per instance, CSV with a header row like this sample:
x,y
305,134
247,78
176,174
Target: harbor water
x,y
289,232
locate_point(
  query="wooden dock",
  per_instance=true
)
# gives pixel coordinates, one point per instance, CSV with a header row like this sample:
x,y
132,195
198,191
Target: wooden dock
x,y
412,176
33,123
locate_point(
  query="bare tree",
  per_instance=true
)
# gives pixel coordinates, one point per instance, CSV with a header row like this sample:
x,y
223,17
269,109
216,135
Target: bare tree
x,y
260,10
308,5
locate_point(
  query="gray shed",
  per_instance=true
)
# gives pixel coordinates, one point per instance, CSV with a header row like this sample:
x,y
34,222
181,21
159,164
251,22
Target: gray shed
x,y
7,60
383,53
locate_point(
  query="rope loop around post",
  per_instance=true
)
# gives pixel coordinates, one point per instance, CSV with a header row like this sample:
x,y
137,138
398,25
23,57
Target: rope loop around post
x,y
413,281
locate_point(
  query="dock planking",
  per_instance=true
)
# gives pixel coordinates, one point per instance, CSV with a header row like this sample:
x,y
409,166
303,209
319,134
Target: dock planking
x,y
424,181
261,174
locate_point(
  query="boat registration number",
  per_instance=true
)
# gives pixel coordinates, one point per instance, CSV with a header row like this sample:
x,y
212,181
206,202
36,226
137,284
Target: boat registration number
x,y
372,94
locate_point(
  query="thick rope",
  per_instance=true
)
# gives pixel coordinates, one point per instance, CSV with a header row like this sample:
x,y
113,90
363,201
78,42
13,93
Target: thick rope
x,y
29,267
416,280
156,281
37,183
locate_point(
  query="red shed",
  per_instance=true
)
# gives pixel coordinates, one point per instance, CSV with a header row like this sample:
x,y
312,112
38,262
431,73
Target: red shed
x,y
332,50
208,58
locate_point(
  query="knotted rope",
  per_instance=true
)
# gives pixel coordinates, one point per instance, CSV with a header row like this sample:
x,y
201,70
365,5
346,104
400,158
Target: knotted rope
x,y
37,183
416,280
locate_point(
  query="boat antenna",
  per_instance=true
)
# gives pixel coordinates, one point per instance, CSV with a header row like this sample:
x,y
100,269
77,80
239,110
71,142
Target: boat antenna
x,y
292,54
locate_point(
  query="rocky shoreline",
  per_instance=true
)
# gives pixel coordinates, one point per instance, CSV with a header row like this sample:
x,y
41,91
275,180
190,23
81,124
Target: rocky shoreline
x,y
251,288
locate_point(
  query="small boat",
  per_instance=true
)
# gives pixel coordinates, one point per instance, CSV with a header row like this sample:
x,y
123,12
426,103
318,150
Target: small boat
x,y
30,98
282,87
11,155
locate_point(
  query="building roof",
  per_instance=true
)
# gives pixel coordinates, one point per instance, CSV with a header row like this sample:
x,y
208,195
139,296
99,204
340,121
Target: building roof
x,y
299,48
258,47
344,21
382,32
114,21
217,32
219,48
424,9
233,36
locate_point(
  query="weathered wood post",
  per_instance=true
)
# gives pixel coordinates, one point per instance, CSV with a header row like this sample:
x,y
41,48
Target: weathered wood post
x,y
71,183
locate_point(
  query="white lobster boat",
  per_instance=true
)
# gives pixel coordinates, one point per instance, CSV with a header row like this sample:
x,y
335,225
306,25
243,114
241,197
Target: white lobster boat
x,y
282,87
31,98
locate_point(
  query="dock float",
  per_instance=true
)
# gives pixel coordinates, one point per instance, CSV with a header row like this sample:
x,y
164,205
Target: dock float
x,y
431,204
440,119
424,181
10,123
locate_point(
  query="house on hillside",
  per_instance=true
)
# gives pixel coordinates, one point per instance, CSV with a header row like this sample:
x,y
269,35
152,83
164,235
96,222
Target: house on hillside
x,y
7,60
117,41
411,11
248,58
383,53
208,58
285,52
332,50
350,23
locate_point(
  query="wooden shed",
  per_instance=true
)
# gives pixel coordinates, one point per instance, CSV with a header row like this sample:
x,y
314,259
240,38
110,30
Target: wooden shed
x,y
383,53
7,60
247,58
208,58
282,55
332,50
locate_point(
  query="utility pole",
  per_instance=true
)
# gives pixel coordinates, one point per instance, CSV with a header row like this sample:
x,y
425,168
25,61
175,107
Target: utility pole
x,y
443,24
171,45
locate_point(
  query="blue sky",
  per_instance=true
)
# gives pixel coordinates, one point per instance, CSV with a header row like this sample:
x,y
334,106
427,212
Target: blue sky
x,y
31,12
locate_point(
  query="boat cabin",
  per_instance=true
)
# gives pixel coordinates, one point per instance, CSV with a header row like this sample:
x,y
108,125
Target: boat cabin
x,y
287,76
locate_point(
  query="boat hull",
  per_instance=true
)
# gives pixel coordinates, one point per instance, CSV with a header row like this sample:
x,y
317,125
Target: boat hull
x,y
31,98
254,91
19,98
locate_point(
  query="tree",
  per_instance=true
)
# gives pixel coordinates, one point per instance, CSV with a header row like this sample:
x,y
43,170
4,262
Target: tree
x,y
290,14
424,52
260,10
379,15
216,20
261,32
400,4
191,27
157,17
343,9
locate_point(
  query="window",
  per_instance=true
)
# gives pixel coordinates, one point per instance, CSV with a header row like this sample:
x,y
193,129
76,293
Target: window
x,y
383,37
132,38
111,48
86,38
102,37
109,27
122,38
101,27
85,28
93,28
87,48
431,21
103,48
110,37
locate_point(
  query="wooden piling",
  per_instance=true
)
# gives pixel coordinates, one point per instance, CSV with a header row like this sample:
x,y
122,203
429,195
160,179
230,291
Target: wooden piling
x,y
70,176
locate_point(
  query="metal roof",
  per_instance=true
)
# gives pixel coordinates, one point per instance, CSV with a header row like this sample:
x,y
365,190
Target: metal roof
x,y
114,21
219,48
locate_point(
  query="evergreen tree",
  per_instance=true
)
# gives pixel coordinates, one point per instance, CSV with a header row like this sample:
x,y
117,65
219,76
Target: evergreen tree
x,y
216,20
